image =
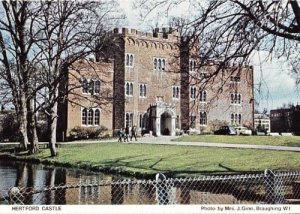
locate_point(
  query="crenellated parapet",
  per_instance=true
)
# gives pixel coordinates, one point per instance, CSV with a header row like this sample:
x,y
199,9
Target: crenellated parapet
x,y
158,34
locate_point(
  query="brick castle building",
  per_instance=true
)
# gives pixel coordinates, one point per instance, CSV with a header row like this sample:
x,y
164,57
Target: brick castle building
x,y
152,80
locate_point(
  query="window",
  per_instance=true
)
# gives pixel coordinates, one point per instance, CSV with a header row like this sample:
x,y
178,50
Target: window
x,y
176,92
192,65
235,79
193,92
203,118
203,96
143,90
192,122
163,64
90,117
129,119
97,87
84,85
236,119
84,117
128,88
159,64
90,86
235,98
97,117
129,60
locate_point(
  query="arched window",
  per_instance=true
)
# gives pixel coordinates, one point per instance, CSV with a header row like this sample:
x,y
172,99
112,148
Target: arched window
x,y
131,89
97,117
83,116
159,64
236,119
85,86
232,119
240,119
191,65
127,119
155,64
235,98
127,59
194,65
145,90
177,92
90,117
163,66
141,90
141,121
239,99
232,98
127,89
97,87
131,60
204,96
91,87
203,118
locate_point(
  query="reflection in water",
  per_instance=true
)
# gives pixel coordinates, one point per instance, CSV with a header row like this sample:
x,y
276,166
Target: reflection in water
x,y
41,184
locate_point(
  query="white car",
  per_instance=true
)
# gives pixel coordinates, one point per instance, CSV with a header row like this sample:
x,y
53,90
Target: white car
x,y
243,131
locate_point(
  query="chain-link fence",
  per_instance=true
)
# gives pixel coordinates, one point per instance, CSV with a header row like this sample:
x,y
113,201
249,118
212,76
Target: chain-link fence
x,y
267,188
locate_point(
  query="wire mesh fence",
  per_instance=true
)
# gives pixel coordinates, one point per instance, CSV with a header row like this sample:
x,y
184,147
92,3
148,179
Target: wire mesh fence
x,y
268,188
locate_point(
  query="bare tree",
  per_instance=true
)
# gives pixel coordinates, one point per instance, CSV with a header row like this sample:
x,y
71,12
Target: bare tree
x,y
16,40
70,31
39,41
229,31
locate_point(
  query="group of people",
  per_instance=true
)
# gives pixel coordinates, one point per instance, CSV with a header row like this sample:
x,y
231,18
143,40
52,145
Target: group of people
x,y
124,134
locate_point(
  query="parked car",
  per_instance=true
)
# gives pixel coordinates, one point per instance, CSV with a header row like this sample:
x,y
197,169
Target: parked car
x,y
226,130
243,131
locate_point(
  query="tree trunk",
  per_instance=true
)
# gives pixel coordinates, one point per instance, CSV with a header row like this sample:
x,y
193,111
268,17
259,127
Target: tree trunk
x,y
34,145
22,115
53,126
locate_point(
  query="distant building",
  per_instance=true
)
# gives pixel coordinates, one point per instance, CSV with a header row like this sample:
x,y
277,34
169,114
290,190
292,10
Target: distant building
x,y
286,119
262,122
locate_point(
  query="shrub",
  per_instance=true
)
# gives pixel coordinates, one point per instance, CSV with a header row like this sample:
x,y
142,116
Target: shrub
x,y
86,132
10,130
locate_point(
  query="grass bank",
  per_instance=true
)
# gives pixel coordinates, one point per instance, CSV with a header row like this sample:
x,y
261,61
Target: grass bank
x,y
145,160
255,140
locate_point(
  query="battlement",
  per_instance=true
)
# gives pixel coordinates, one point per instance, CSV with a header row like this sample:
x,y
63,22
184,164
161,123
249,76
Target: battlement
x,y
171,34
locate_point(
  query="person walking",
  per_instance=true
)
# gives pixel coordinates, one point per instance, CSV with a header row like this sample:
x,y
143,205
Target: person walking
x,y
120,134
133,133
126,135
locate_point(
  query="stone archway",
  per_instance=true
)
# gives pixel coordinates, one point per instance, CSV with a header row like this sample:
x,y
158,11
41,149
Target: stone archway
x,y
162,118
166,123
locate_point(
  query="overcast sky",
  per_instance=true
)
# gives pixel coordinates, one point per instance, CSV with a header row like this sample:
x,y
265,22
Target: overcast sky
x,y
273,85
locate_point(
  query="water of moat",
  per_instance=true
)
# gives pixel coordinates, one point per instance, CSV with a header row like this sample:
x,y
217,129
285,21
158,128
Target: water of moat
x,y
36,176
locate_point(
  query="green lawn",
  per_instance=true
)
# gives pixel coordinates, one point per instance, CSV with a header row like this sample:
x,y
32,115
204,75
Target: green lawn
x,y
259,140
181,160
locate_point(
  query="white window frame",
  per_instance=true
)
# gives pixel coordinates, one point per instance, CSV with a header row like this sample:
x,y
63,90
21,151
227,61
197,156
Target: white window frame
x,y
174,95
87,117
203,119
130,89
128,62
143,92
162,66
201,98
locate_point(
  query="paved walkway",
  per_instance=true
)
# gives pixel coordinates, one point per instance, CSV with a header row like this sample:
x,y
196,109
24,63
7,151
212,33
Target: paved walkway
x,y
165,140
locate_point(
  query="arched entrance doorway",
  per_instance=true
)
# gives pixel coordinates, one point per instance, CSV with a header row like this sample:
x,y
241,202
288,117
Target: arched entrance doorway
x,y
166,124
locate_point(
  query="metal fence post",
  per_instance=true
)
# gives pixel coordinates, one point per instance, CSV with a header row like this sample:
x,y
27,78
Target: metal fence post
x,y
15,196
273,186
162,193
